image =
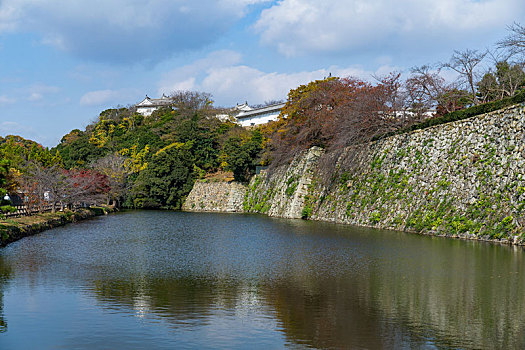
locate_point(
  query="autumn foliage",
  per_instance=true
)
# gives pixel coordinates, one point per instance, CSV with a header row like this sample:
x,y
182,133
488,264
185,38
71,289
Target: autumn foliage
x,y
334,113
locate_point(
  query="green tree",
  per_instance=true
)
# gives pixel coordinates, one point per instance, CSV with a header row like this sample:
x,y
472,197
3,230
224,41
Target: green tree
x,y
506,81
167,179
242,156
5,205
488,88
510,78
204,142
76,150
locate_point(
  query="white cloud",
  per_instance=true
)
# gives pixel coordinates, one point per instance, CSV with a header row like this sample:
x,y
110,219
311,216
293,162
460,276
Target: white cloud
x,y
184,78
28,132
14,128
11,128
123,30
35,96
98,97
105,97
5,100
37,92
231,82
297,27
9,16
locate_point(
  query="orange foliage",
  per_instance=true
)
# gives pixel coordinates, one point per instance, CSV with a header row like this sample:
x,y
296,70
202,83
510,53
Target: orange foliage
x,y
333,113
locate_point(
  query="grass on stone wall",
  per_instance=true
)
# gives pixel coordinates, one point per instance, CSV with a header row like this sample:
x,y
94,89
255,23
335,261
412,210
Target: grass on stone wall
x,y
375,190
291,183
257,199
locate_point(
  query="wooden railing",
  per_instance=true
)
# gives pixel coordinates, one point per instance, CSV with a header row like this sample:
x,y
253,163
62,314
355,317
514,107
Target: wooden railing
x,y
22,210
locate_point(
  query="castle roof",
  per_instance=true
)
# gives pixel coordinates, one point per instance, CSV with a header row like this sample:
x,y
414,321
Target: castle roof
x,y
155,102
275,108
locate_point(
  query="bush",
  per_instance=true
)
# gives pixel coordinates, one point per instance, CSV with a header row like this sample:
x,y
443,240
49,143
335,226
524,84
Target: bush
x,y
462,114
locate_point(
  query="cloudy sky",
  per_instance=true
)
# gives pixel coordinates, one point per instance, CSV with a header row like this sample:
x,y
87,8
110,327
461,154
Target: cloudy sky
x,y
62,62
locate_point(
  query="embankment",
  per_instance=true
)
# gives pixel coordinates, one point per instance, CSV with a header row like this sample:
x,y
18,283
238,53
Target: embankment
x,y
14,229
463,179
216,196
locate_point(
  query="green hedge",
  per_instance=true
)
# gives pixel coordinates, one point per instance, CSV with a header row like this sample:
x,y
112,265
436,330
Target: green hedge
x,y
462,114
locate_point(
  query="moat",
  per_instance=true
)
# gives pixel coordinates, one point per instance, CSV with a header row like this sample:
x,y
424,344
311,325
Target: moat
x,y
165,280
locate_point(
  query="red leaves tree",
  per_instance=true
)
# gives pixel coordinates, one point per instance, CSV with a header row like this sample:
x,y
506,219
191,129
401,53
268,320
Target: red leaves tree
x,y
113,166
335,113
87,186
53,185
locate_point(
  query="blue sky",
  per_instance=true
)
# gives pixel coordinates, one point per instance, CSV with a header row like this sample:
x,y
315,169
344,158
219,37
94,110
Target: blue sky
x,y
63,62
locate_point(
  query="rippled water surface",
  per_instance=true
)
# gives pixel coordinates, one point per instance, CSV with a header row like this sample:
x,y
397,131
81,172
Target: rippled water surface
x,y
165,280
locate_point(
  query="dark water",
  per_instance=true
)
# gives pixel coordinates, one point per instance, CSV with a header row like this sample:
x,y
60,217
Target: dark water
x,y
166,280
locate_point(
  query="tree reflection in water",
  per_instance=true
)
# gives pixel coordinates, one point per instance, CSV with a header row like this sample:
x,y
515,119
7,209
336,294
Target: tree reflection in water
x,y
375,309
304,284
4,278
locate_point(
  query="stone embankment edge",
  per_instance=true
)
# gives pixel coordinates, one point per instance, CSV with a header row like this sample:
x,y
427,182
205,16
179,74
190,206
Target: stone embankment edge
x,y
461,237
465,237
12,233
487,164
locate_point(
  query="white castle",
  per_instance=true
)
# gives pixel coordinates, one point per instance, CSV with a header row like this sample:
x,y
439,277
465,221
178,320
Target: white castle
x,y
249,116
149,105
243,113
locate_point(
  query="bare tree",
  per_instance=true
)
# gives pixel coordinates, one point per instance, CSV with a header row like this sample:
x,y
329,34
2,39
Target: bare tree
x,y
42,186
515,41
464,63
53,185
113,166
394,97
425,87
191,100
86,186
335,113
268,103
33,193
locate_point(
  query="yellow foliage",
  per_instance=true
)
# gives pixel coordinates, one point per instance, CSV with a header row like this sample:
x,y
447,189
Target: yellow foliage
x,y
177,145
13,177
136,161
102,133
126,124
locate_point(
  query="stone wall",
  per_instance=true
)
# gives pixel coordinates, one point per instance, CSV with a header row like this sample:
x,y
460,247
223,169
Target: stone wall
x,y
282,191
216,196
463,179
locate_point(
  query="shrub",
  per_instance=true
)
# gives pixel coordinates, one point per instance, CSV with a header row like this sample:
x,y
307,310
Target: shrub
x,y
375,217
462,114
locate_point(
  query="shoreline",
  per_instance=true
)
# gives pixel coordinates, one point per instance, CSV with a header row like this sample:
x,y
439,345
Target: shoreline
x,y
12,230
463,237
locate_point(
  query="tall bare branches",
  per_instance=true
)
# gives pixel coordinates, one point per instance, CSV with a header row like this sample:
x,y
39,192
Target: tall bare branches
x,y
425,87
335,113
113,166
515,41
465,63
53,185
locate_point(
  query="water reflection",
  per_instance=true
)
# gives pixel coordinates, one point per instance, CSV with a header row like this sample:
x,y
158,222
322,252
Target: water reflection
x,y
4,278
234,280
